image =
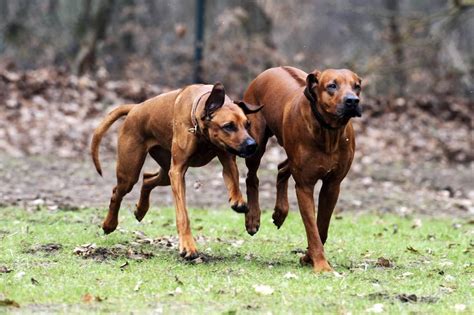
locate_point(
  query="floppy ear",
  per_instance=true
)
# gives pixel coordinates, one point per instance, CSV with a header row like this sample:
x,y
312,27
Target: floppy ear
x,y
312,81
214,101
248,108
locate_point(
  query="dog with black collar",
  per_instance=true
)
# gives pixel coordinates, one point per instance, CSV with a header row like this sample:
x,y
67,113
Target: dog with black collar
x,y
310,115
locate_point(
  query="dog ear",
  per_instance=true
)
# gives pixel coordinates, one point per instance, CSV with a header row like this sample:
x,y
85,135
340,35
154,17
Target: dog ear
x,y
312,81
248,108
215,100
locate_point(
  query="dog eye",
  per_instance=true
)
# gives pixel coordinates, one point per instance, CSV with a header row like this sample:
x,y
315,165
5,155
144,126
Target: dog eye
x,y
331,86
229,127
357,87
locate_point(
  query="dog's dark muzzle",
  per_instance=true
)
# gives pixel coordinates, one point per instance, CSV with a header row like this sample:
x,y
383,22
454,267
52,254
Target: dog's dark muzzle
x,y
247,148
352,107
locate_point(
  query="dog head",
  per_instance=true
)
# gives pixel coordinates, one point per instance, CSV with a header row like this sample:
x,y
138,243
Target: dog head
x,y
226,123
337,92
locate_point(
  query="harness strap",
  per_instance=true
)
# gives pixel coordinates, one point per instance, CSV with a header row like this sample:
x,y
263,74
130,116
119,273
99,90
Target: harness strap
x,y
194,120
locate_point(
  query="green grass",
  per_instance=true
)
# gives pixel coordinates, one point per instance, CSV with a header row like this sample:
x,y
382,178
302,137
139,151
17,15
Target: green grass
x,y
439,269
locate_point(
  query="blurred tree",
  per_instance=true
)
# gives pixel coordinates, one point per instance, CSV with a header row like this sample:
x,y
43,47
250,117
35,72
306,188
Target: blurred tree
x,y
396,41
91,29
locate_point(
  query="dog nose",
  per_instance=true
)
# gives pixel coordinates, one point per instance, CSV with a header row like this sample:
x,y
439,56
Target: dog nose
x,y
351,101
250,146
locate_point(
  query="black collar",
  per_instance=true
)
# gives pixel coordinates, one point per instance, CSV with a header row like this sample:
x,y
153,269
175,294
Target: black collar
x,y
314,108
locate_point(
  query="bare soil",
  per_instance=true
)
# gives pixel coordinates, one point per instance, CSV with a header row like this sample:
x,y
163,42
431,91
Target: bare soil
x,y
70,184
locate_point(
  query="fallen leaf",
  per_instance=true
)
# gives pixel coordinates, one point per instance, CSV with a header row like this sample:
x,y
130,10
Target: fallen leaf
x,y
413,250
263,289
407,297
5,269
8,302
460,307
376,308
89,298
416,223
383,262
137,286
290,275
457,226
178,281
298,251
124,265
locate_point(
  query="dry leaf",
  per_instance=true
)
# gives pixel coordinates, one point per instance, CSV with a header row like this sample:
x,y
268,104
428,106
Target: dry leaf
x,y
383,262
5,269
124,265
413,250
290,275
263,289
8,302
137,286
376,308
460,307
416,223
89,298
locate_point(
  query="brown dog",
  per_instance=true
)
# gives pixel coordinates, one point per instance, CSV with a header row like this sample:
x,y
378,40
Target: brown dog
x,y
309,115
179,129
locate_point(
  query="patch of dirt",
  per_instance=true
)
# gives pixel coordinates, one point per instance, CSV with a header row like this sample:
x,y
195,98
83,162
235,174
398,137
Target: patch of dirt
x,y
45,248
92,251
402,297
36,183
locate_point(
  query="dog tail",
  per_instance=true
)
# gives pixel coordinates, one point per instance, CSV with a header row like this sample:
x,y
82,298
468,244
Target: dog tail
x,y
99,132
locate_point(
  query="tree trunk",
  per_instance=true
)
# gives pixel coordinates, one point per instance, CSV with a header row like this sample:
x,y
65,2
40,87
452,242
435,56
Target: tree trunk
x,y
93,29
396,41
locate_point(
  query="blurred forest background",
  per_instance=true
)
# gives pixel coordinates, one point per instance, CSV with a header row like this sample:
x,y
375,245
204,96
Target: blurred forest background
x,y
64,64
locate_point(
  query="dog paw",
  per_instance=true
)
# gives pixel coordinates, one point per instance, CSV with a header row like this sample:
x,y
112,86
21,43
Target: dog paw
x,y
322,266
240,207
139,214
319,266
189,255
306,260
108,228
252,224
279,217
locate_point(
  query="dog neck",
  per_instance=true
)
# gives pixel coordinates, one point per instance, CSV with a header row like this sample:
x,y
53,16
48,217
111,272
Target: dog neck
x,y
314,109
328,139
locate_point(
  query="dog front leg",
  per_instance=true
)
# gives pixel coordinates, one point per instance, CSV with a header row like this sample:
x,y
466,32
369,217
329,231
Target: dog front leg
x,y
327,201
315,253
187,246
281,205
230,173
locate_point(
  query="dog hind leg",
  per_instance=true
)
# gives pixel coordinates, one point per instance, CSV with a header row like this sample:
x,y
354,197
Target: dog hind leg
x,y
131,156
152,180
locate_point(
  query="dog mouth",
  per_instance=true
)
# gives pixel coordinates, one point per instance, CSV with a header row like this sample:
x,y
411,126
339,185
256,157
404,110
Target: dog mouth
x,y
344,113
243,153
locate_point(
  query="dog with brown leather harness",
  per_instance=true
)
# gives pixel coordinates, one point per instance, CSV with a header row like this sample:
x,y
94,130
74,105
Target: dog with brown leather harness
x,y
179,129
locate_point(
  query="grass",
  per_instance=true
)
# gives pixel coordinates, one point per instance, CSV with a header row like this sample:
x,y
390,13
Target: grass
x,y
432,261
